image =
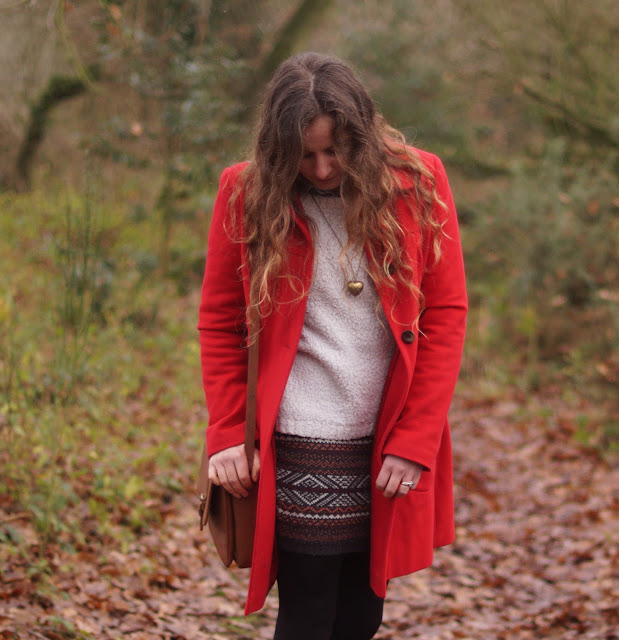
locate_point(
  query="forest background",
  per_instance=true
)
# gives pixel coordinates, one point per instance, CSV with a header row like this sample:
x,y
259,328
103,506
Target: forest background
x,y
116,119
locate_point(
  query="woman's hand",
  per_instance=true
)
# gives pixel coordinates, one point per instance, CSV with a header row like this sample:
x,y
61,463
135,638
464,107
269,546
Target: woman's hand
x,y
394,472
228,468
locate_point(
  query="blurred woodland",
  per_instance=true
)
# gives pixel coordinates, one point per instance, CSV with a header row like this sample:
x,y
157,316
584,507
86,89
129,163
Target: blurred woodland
x,y
116,119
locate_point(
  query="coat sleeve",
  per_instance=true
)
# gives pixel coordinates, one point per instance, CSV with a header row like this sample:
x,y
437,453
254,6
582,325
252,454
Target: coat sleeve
x,y
223,329
419,428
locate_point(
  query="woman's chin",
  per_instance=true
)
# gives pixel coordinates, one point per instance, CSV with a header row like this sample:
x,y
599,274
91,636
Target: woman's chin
x,y
327,185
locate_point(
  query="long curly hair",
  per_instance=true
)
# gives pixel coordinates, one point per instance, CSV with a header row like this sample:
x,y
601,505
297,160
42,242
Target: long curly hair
x,y
304,87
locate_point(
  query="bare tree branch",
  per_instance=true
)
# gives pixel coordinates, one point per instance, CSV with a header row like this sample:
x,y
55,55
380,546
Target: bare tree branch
x,y
309,13
58,88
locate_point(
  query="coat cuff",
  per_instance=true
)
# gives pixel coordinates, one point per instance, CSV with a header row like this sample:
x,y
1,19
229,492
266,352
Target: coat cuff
x,y
218,439
404,446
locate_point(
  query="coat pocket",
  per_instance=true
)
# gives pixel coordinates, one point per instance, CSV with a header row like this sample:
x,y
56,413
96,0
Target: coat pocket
x,y
411,540
426,482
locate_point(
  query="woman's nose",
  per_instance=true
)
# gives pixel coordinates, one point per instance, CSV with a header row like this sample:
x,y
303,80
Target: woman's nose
x,y
323,167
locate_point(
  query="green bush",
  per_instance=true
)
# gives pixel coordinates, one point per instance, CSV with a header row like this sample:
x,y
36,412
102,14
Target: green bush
x,y
542,264
99,366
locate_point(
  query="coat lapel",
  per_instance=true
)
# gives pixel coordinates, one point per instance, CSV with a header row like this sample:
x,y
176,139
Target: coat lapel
x,y
401,305
282,331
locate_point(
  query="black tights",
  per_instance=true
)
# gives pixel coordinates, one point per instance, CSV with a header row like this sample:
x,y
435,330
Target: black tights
x,y
326,598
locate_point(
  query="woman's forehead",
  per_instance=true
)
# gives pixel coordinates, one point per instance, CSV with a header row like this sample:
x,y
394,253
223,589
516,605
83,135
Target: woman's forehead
x,y
319,133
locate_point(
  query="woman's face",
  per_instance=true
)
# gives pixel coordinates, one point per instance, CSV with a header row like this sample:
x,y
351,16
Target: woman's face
x,y
319,163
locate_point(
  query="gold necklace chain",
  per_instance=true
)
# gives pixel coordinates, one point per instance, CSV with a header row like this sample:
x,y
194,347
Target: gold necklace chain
x,y
355,286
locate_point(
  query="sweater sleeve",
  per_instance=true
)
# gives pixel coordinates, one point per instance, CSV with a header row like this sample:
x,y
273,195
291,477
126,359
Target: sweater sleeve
x,y
418,430
223,330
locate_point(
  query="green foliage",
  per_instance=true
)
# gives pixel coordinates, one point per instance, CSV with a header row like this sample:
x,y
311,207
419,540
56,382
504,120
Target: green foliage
x,y
562,62
169,57
85,288
541,259
94,347
411,85
10,356
59,627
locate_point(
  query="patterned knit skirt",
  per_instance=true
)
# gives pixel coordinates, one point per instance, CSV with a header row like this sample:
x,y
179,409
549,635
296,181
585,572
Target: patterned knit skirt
x,y
323,494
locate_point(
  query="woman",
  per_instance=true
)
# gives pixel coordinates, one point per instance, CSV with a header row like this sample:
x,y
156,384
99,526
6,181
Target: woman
x,y
344,243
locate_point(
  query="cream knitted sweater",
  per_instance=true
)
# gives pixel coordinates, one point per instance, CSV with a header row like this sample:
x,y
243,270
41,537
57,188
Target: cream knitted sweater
x,y
336,382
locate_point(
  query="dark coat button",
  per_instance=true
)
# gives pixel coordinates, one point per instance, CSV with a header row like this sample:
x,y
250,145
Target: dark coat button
x,y
408,337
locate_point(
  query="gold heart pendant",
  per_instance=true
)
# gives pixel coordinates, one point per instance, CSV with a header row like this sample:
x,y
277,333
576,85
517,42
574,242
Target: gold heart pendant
x,y
355,287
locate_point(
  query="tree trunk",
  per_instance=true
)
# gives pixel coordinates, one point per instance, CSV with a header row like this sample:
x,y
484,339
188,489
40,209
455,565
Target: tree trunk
x,y
303,21
59,88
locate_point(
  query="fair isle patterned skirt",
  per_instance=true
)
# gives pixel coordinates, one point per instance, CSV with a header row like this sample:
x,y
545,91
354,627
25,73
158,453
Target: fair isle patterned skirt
x,y
323,494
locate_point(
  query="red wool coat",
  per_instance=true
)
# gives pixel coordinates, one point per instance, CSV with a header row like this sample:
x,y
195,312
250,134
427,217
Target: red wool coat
x,y
412,419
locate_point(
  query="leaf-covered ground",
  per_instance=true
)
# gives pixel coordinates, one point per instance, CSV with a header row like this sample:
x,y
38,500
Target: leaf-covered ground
x,y
535,556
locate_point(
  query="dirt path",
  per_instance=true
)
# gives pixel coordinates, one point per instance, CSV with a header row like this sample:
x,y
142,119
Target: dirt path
x,y
534,558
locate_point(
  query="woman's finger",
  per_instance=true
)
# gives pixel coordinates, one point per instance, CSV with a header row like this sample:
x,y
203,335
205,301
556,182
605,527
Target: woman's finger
x,y
242,472
237,483
405,487
255,472
393,486
220,472
232,484
212,475
383,479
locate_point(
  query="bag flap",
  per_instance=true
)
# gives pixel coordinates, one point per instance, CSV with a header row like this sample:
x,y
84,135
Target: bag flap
x,y
205,489
203,482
